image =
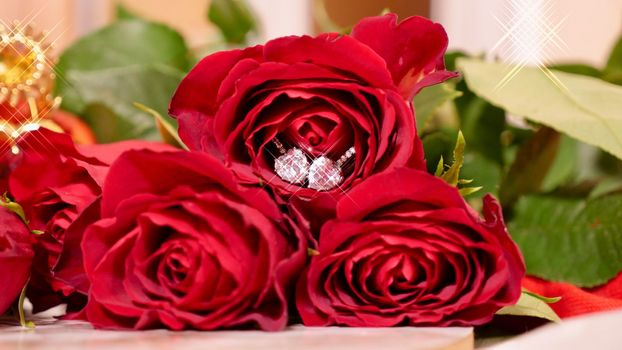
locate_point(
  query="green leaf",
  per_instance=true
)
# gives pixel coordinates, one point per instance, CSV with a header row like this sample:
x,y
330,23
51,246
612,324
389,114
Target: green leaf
x,y
609,164
585,108
532,163
167,129
548,300
484,172
530,305
563,169
430,99
606,186
451,57
614,63
438,146
482,124
570,239
578,68
233,18
111,94
123,13
124,43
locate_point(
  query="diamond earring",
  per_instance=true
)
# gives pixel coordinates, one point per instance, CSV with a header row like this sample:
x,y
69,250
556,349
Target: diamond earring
x,y
292,165
324,174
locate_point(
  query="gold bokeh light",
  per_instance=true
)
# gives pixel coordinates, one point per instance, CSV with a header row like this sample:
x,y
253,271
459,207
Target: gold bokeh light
x,y
26,82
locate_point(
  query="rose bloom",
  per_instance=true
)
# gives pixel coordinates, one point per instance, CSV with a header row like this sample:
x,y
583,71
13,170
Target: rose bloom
x,y
182,246
56,181
15,257
412,254
55,119
8,161
321,95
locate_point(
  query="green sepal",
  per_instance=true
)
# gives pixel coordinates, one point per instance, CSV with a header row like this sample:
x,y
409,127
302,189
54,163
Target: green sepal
x,y
312,252
440,167
465,191
6,202
452,175
167,131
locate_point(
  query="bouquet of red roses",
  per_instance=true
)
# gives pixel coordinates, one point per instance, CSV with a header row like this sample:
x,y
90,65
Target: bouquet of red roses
x,y
302,196
309,180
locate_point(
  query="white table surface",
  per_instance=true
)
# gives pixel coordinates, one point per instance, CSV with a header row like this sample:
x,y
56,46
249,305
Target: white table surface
x,y
69,335
602,331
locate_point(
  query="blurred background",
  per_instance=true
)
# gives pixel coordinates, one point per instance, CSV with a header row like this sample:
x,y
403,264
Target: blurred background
x,y
587,29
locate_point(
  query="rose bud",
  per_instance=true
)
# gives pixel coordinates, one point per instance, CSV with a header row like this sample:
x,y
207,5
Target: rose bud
x,y
182,246
15,257
56,181
411,254
312,116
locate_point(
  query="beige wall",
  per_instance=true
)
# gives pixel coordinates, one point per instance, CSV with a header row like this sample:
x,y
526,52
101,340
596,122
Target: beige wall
x,y
68,19
187,16
589,30
55,16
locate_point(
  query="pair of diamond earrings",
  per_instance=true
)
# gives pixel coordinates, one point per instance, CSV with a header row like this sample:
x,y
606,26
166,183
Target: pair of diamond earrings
x,y
323,174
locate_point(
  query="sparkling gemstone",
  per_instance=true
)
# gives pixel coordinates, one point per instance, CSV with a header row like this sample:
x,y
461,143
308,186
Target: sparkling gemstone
x,y
324,174
293,166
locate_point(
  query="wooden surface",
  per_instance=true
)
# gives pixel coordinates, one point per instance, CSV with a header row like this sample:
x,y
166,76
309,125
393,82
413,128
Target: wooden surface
x,y
68,335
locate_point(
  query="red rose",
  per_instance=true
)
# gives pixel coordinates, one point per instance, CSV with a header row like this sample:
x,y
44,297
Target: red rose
x,y
8,161
182,246
322,95
15,257
411,254
55,181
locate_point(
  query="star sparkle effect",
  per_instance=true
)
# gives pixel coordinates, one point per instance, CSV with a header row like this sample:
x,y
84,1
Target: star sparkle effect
x,y
26,80
531,37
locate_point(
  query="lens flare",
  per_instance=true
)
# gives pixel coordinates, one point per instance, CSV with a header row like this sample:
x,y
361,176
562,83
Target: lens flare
x,y
26,82
530,38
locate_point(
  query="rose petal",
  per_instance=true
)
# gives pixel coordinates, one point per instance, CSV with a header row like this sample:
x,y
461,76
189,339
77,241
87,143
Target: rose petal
x,y
413,50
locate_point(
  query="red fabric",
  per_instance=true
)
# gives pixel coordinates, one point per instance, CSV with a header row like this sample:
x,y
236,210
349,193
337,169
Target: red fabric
x,y
577,301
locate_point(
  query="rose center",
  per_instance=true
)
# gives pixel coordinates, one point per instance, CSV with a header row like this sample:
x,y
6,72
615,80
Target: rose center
x,y
312,133
176,266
